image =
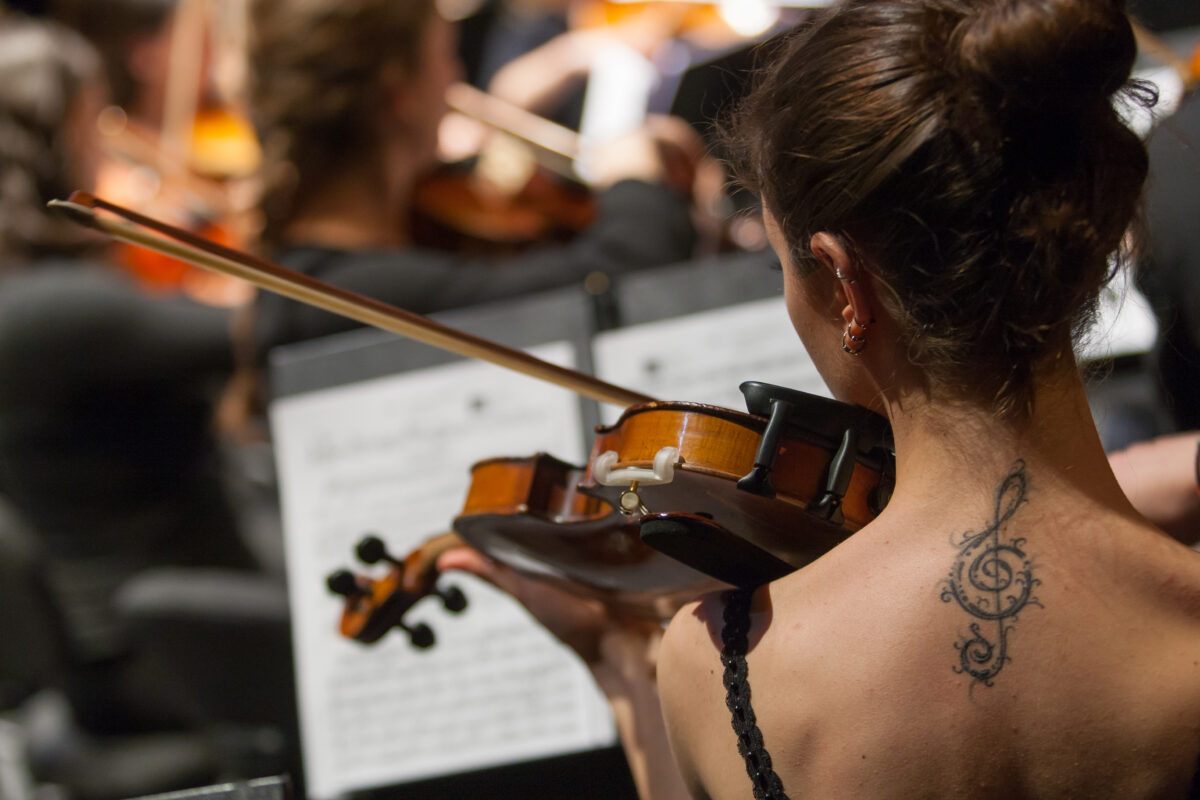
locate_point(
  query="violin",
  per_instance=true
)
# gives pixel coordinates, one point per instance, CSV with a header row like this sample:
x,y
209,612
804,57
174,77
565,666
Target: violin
x,y
519,190
617,102
522,187
674,497
138,170
529,514
764,494
653,22
375,607
189,160
454,209
1192,79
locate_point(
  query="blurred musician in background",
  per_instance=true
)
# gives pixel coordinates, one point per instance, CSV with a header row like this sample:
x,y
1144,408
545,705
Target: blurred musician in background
x,y
601,67
106,393
348,96
1171,275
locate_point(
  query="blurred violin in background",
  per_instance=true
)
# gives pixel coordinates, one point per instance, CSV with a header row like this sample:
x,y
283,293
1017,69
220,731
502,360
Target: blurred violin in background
x,y
183,147
1186,67
528,180
525,180
509,182
205,198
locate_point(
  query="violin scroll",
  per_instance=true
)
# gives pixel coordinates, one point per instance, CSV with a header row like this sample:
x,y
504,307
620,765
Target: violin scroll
x,y
374,606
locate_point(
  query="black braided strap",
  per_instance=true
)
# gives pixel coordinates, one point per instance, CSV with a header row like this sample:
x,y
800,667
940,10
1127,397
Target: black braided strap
x,y
735,642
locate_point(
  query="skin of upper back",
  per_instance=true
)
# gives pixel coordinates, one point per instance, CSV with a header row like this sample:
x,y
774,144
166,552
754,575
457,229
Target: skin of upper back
x,y
857,673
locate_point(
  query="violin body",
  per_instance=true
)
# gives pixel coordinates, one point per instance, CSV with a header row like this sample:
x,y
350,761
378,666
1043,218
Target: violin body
x,y
717,449
454,209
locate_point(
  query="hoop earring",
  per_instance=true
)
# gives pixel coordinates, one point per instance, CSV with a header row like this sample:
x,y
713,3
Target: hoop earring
x,y
854,340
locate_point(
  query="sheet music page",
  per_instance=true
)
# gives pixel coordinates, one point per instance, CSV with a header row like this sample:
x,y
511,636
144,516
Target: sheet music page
x,y
703,357
391,456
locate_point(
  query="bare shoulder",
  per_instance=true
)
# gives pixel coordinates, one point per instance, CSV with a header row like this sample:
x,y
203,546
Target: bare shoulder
x,y
689,660
693,698
697,625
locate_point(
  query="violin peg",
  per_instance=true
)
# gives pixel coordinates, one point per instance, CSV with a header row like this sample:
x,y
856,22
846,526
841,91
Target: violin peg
x,y
453,599
421,635
372,550
345,583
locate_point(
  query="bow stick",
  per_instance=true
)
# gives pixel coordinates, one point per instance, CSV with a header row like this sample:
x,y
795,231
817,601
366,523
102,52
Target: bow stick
x,y
178,243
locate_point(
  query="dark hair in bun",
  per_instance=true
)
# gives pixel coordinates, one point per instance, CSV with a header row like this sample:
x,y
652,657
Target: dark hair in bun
x,y
1018,56
971,152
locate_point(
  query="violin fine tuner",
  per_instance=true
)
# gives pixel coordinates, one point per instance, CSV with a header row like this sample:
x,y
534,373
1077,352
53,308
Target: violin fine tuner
x,y
630,504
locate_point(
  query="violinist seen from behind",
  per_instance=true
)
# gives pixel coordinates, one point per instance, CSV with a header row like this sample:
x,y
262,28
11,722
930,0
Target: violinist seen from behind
x,y
944,183
348,98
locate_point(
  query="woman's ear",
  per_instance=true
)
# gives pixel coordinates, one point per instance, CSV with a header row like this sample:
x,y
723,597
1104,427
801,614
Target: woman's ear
x,y
857,309
830,252
834,256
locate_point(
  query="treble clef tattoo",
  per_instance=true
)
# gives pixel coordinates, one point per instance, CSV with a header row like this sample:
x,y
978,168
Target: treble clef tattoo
x,y
992,580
